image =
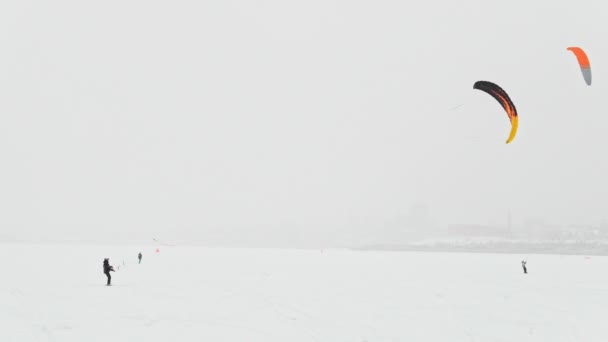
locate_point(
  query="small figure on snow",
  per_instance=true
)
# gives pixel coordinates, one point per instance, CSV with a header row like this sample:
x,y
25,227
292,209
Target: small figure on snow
x,y
523,265
107,269
139,256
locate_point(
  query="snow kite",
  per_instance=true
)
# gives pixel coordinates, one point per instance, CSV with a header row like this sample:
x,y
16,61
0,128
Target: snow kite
x,y
583,62
505,101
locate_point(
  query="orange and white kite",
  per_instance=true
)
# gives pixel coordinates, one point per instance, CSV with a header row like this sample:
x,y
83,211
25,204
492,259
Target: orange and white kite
x,y
583,62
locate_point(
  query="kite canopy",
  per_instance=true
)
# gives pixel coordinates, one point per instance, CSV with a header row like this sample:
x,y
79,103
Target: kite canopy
x,y
583,62
505,101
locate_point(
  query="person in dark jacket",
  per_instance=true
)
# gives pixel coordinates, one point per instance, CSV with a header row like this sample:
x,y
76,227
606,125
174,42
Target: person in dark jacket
x,y
523,265
107,269
139,257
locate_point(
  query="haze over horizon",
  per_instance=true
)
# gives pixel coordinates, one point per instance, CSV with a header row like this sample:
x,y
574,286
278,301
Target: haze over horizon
x,y
275,121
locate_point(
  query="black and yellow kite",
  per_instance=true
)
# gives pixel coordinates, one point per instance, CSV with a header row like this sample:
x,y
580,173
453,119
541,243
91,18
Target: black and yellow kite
x,y
503,98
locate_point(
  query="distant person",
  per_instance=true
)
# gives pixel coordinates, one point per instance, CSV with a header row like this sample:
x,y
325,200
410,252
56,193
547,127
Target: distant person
x,y
523,265
139,256
107,269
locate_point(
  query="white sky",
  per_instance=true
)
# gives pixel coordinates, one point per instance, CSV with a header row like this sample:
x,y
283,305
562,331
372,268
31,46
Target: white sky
x,y
311,117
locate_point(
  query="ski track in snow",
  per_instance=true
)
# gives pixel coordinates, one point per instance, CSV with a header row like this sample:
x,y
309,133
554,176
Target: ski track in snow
x,y
58,293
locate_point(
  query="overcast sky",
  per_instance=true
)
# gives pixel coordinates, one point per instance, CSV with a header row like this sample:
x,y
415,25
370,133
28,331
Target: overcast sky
x,y
312,117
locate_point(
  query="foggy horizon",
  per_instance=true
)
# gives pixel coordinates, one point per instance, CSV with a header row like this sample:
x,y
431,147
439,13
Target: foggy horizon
x,y
318,123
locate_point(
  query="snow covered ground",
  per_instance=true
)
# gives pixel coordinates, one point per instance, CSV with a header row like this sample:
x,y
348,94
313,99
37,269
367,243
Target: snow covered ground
x,y
57,293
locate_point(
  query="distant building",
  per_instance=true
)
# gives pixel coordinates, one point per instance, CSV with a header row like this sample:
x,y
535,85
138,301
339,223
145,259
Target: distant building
x,y
477,230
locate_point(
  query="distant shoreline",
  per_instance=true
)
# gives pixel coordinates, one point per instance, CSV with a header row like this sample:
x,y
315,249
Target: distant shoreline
x,y
499,247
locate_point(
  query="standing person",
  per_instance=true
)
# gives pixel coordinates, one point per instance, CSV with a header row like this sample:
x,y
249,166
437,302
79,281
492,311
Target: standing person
x,y
139,257
523,265
107,269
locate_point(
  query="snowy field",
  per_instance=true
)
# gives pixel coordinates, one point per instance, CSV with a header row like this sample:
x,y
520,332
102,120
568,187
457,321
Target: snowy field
x,y
58,293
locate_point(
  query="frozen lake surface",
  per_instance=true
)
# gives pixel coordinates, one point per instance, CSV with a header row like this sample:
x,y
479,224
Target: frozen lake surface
x,y
58,293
